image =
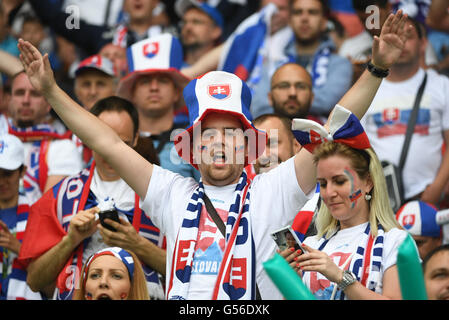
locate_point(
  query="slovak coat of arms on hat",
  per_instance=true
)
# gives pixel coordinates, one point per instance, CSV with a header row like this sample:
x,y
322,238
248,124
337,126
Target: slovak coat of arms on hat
x,y
408,221
151,49
219,91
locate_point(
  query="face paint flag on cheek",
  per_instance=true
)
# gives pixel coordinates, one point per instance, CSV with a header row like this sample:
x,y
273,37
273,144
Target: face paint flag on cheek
x,y
344,127
355,194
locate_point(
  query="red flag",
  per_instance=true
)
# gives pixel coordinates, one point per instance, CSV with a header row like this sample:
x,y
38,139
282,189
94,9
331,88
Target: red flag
x,y
43,229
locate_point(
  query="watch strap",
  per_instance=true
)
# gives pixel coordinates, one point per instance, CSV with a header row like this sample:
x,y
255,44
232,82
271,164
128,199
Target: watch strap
x,y
377,72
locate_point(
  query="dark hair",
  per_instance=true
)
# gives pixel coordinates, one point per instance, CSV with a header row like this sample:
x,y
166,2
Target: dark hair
x,y
144,145
361,5
117,104
324,6
444,247
419,27
27,18
286,122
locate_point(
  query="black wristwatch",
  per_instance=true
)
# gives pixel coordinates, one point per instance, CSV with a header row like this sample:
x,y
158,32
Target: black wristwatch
x,y
348,279
377,72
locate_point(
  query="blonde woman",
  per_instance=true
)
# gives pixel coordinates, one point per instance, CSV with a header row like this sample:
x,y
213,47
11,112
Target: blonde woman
x,y
112,274
353,255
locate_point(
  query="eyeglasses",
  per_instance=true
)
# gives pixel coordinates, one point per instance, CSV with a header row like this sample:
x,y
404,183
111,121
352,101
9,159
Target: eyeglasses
x,y
286,85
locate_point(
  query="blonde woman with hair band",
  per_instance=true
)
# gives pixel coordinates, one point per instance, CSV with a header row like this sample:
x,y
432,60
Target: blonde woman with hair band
x,y
353,255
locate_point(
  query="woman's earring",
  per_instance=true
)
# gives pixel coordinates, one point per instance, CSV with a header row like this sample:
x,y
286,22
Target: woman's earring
x,y
368,197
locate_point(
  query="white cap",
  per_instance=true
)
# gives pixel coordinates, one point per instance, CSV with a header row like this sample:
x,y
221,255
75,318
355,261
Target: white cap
x,y
12,153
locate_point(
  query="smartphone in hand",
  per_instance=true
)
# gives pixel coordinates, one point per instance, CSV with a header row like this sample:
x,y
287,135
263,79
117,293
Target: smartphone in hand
x,y
108,214
286,238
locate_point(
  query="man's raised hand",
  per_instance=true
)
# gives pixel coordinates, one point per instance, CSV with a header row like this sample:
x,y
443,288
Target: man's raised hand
x,y
389,45
36,66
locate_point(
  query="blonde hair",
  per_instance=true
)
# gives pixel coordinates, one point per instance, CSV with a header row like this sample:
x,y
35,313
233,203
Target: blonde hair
x,y
138,290
367,165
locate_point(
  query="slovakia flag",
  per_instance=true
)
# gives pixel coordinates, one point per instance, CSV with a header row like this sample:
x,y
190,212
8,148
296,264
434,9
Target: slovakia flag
x,y
304,218
344,127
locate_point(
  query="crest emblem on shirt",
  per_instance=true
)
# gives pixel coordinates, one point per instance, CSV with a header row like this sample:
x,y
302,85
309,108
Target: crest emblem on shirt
x,y
408,221
220,91
391,115
151,49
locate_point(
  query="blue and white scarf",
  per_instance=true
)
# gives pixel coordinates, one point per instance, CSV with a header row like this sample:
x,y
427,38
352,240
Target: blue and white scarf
x,y
318,67
367,260
236,278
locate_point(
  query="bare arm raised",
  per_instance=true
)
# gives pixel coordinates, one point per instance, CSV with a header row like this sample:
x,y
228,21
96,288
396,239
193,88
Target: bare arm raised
x,y
98,136
9,64
386,50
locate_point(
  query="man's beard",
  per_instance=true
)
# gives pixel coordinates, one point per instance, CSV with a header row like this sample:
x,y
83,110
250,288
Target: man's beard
x,y
309,41
25,123
301,113
193,46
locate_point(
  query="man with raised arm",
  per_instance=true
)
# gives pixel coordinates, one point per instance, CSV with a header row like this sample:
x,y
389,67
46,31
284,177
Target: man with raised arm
x,y
201,262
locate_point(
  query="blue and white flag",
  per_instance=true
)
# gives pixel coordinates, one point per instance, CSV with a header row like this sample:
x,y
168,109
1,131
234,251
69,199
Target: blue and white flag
x,y
242,50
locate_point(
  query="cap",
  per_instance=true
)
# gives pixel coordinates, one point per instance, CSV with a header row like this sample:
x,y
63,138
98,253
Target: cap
x,y
223,93
419,219
159,54
96,62
12,154
181,7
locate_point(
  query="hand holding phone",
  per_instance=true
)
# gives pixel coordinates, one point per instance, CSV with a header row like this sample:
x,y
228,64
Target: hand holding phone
x,y
109,214
286,238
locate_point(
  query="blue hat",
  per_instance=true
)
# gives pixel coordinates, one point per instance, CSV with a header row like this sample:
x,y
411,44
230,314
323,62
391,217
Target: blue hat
x,y
223,93
181,7
419,219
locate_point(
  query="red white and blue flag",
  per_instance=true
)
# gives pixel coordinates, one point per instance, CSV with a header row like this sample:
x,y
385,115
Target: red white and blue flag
x,y
393,121
304,217
344,127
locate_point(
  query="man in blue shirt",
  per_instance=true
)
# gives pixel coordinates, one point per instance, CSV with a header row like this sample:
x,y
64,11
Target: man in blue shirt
x,y
310,48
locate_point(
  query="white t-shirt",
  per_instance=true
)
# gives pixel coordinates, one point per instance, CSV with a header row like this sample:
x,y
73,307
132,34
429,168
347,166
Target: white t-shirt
x,y
386,121
123,197
211,244
358,48
341,246
275,200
